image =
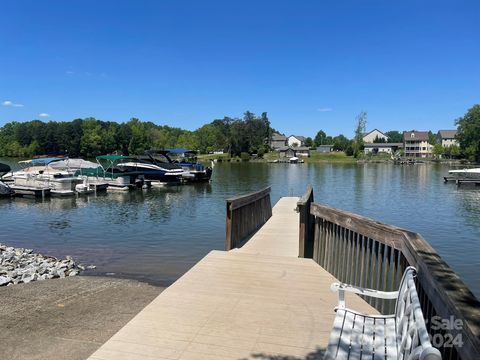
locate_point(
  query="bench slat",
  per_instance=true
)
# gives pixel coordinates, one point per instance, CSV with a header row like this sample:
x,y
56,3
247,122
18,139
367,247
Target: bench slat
x,y
346,336
390,339
379,342
334,340
356,346
367,338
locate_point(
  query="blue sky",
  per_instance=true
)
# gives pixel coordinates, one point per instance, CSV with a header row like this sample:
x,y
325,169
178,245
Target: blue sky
x,y
310,64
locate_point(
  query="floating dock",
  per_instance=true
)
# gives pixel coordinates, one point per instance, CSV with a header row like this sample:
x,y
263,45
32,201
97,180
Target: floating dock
x,y
31,191
475,182
260,301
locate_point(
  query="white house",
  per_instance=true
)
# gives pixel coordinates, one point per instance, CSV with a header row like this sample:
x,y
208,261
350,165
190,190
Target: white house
x,y
447,137
389,148
368,138
416,144
295,139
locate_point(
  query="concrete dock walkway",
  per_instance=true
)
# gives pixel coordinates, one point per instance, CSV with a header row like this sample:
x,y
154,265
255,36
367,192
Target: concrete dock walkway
x,y
257,302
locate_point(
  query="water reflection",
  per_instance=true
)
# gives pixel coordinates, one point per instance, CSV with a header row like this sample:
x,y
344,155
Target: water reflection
x,y
159,233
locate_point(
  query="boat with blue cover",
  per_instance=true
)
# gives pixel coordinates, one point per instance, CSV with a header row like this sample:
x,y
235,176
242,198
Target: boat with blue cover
x,y
187,159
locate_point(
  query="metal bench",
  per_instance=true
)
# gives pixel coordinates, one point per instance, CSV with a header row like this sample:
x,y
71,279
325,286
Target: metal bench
x,y
399,336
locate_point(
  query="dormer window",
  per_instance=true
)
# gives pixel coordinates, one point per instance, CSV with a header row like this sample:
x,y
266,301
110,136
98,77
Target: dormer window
x,y
412,135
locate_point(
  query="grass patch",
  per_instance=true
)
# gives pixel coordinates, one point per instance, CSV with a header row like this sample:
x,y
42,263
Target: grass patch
x,y
338,157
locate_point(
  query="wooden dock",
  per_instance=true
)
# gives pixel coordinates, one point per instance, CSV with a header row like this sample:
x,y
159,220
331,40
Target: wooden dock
x,y
260,301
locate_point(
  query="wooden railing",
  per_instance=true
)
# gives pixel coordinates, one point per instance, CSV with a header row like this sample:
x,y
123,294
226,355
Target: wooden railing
x,y
307,222
367,253
246,214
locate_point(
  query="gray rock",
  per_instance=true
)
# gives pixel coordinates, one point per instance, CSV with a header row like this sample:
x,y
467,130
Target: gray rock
x,y
4,280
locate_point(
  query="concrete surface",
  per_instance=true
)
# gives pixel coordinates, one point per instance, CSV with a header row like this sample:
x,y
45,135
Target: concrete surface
x,y
67,318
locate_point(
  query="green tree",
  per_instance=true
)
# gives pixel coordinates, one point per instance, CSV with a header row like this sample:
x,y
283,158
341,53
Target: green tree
x,y
394,136
379,140
320,138
359,131
309,142
468,133
438,150
432,138
341,143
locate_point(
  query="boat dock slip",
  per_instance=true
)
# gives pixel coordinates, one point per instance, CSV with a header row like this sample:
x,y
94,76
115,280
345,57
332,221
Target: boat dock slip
x,y
250,303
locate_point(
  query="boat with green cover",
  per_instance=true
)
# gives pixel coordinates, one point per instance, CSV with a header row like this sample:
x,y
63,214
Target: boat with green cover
x,y
110,173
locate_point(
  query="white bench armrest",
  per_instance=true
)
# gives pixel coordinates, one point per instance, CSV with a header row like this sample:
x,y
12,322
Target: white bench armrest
x,y
341,288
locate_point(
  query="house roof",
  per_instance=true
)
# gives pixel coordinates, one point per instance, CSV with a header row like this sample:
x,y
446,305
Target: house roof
x,y
299,137
383,145
285,148
278,137
302,148
373,131
447,134
417,135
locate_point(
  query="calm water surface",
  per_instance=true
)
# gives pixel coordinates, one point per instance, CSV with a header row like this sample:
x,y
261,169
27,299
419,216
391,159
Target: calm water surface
x,y
158,234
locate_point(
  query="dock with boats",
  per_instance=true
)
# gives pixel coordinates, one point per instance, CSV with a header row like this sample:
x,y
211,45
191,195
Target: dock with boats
x,y
267,296
59,176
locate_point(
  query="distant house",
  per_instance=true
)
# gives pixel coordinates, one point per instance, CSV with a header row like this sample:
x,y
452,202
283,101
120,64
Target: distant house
x,y
324,148
370,137
295,140
389,148
302,151
286,152
278,141
447,137
416,144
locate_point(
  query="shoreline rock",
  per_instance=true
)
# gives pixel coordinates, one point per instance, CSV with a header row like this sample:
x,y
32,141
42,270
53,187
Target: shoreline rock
x,y
18,265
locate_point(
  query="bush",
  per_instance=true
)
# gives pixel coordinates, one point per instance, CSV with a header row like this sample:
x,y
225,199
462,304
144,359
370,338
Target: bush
x,y
245,156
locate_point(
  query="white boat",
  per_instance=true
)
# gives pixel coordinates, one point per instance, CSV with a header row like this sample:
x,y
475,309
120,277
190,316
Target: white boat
x,y
473,174
38,173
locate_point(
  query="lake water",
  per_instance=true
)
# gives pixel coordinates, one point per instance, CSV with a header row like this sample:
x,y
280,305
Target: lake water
x,y
158,234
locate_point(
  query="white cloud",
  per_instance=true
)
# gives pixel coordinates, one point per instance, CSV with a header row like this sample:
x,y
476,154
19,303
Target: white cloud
x,y
326,109
44,115
11,103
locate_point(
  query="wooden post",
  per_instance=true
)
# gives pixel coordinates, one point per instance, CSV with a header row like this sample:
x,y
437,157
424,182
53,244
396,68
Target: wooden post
x,y
307,224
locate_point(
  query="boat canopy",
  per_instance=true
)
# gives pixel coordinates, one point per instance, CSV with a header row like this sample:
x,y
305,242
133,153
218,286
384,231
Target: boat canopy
x,y
181,151
112,157
73,164
40,161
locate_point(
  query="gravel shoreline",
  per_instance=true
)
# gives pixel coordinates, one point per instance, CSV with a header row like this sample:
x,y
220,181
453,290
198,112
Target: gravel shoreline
x,y
19,265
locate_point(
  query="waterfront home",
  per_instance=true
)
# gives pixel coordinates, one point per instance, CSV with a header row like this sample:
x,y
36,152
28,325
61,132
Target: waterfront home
x,y
324,148
374,134
286,152
447,138
296,140
302,151
416,144
388,148
278,141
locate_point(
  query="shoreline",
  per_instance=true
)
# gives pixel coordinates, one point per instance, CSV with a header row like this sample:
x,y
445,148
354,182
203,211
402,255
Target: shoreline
x,y
68,318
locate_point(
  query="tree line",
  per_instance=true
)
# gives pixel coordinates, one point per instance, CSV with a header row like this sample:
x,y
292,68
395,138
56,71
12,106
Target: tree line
x,y
91,137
